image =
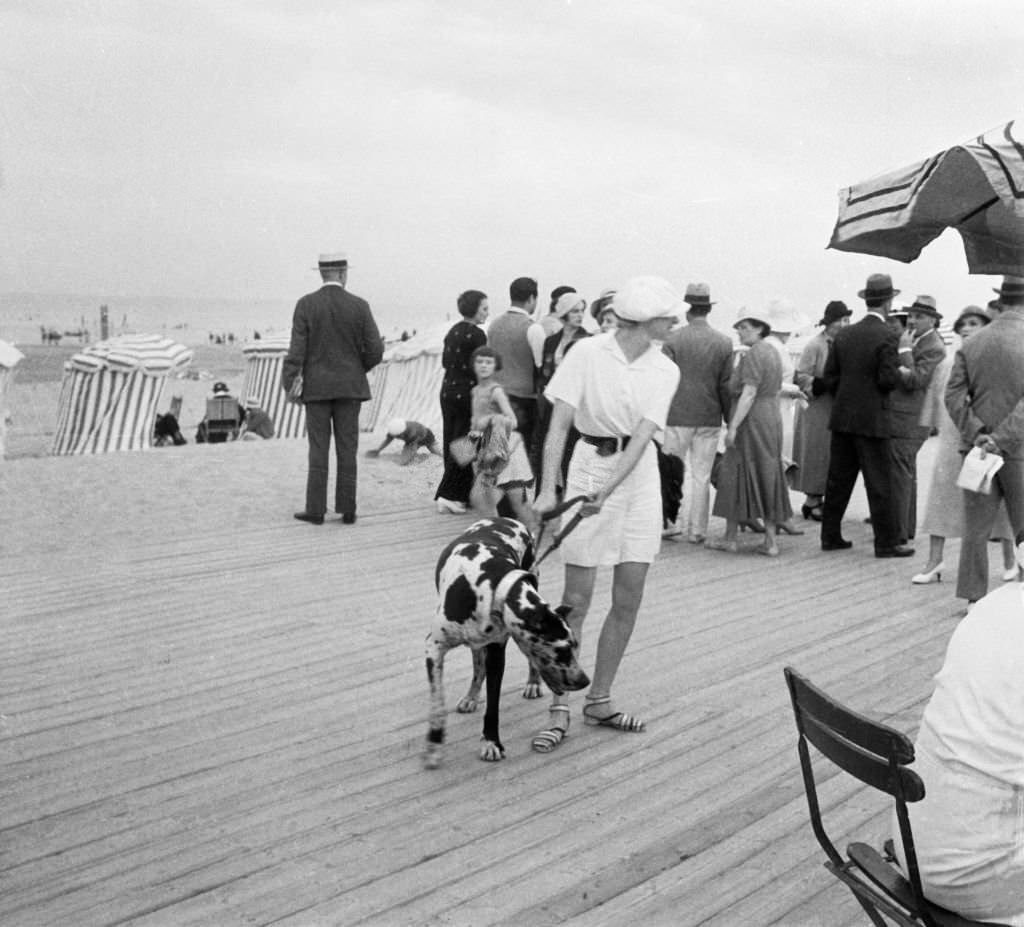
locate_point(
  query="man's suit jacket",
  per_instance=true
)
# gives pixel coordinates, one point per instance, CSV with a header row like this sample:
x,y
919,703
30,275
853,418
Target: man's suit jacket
x,y
704,358
907,399
863,368
985,391
334,343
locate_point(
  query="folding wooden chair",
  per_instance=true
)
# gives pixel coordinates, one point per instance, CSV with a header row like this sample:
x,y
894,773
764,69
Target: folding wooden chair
x,y
878,756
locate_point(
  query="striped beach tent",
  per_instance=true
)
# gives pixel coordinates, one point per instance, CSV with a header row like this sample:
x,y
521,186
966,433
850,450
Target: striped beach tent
x,y
976,187
10,356
110,392
262,381
407,383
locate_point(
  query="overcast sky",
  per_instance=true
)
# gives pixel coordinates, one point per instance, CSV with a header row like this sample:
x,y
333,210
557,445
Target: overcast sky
x,y
213,149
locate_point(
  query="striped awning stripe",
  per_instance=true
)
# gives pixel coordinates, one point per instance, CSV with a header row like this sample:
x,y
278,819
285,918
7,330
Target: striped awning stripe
x,y
153,355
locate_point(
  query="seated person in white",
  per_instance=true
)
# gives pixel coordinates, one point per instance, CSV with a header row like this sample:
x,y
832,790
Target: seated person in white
x,y
969,828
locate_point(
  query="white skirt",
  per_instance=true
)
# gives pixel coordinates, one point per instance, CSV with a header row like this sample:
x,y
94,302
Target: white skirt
x,y
628,527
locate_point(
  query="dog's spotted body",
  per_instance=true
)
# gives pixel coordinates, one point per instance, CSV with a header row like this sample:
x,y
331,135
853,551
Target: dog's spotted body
x,y
486,594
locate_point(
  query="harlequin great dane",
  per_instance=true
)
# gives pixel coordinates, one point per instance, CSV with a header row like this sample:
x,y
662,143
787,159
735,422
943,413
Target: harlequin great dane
x,y
486,594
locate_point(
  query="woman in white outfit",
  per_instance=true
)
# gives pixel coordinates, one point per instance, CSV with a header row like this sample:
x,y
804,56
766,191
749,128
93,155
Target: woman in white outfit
x,y
616,389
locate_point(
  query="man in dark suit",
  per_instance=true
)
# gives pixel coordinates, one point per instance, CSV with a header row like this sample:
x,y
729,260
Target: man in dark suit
x,y
921,350
334,343
863,369
985,397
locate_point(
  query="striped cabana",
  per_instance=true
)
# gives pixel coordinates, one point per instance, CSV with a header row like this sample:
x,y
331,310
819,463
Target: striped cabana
x,y
9,358
263,361
407,384
110,392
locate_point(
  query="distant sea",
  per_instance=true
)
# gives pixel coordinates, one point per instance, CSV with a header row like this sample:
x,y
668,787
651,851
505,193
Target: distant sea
x,y
190,321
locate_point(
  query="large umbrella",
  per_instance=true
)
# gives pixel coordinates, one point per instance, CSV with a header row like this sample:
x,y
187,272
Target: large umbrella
x,y
976,188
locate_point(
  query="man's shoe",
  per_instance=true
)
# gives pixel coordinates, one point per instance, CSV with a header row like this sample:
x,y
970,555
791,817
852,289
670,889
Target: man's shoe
x,y
312,519
839,544
348,518
894,552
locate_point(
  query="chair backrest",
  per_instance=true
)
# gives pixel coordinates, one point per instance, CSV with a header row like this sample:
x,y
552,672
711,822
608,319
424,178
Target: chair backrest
x,y
175,408
872,752
222,415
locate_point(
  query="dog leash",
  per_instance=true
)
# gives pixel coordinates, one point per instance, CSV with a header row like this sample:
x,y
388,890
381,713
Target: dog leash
x,y
561,536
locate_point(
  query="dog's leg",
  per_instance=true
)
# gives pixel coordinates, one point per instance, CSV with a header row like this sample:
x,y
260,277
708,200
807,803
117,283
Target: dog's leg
x,y
469,702
435,676
532,688
491,748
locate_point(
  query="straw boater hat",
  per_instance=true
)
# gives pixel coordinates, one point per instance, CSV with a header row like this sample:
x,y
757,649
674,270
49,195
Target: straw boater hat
x,y
698,295
642,299
835,311
879,286
337,259
753,315
969,311
926,306
567,302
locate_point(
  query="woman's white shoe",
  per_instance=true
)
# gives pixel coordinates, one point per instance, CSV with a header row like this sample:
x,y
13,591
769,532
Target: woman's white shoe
x,y
934,575
1011,575
449,505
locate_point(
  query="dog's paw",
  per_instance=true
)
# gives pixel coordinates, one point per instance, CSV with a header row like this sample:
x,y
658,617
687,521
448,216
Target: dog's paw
x,y
432,756
532,690
491,751
467,704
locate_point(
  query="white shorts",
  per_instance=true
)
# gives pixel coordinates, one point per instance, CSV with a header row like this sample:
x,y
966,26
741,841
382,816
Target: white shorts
x,y
628,527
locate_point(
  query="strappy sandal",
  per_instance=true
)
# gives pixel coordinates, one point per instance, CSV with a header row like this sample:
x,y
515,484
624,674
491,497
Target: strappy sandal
x,y
545,741
618,720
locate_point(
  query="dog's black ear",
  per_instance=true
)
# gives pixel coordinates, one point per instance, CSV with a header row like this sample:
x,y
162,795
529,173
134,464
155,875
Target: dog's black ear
x,y
564,610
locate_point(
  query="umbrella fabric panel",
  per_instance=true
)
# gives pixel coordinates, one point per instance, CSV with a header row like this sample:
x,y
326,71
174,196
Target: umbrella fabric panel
x,y
10,356
976,188
106,411
152,354
263,381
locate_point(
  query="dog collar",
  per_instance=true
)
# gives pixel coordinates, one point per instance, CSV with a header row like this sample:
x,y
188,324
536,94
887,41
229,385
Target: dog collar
x,y
502,589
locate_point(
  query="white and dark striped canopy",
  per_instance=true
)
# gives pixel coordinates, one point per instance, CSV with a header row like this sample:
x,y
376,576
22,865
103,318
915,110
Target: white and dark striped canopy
x,y
976,188
151,354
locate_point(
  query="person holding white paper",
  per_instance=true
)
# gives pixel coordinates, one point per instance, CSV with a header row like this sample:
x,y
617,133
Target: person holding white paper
x,y
985,398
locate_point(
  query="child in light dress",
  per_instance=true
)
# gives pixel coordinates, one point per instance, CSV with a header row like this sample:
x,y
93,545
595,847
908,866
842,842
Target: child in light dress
x,y
501,465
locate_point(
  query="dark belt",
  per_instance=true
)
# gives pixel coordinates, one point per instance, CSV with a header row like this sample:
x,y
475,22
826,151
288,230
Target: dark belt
x,y
606,446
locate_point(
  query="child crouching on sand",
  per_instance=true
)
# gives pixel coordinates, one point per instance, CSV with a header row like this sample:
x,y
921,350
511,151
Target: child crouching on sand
x,y
413,436
501,465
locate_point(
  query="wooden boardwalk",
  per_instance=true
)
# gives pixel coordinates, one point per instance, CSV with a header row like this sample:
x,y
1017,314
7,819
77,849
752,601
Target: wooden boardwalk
x,y
208,724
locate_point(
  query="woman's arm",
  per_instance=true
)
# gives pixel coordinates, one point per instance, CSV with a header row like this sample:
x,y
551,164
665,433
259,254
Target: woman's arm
x,y
740,411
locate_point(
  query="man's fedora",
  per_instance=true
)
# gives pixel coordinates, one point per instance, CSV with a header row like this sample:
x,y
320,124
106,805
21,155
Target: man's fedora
x,y
698,295
926,306
879,286
1012,290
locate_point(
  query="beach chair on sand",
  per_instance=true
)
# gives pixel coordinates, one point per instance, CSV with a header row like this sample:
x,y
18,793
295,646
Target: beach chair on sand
x,y
878,756
223,419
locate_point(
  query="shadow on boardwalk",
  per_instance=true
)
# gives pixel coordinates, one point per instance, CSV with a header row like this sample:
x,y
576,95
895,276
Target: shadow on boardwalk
x,y
213,715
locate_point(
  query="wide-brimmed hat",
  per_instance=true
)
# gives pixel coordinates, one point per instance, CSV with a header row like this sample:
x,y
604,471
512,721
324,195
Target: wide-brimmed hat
x,y
754,315
252,402
332,259
835,311
698,295
604,301
926,306
969,311
642,299
784,317
567,302
879,286
1011,291
900,313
